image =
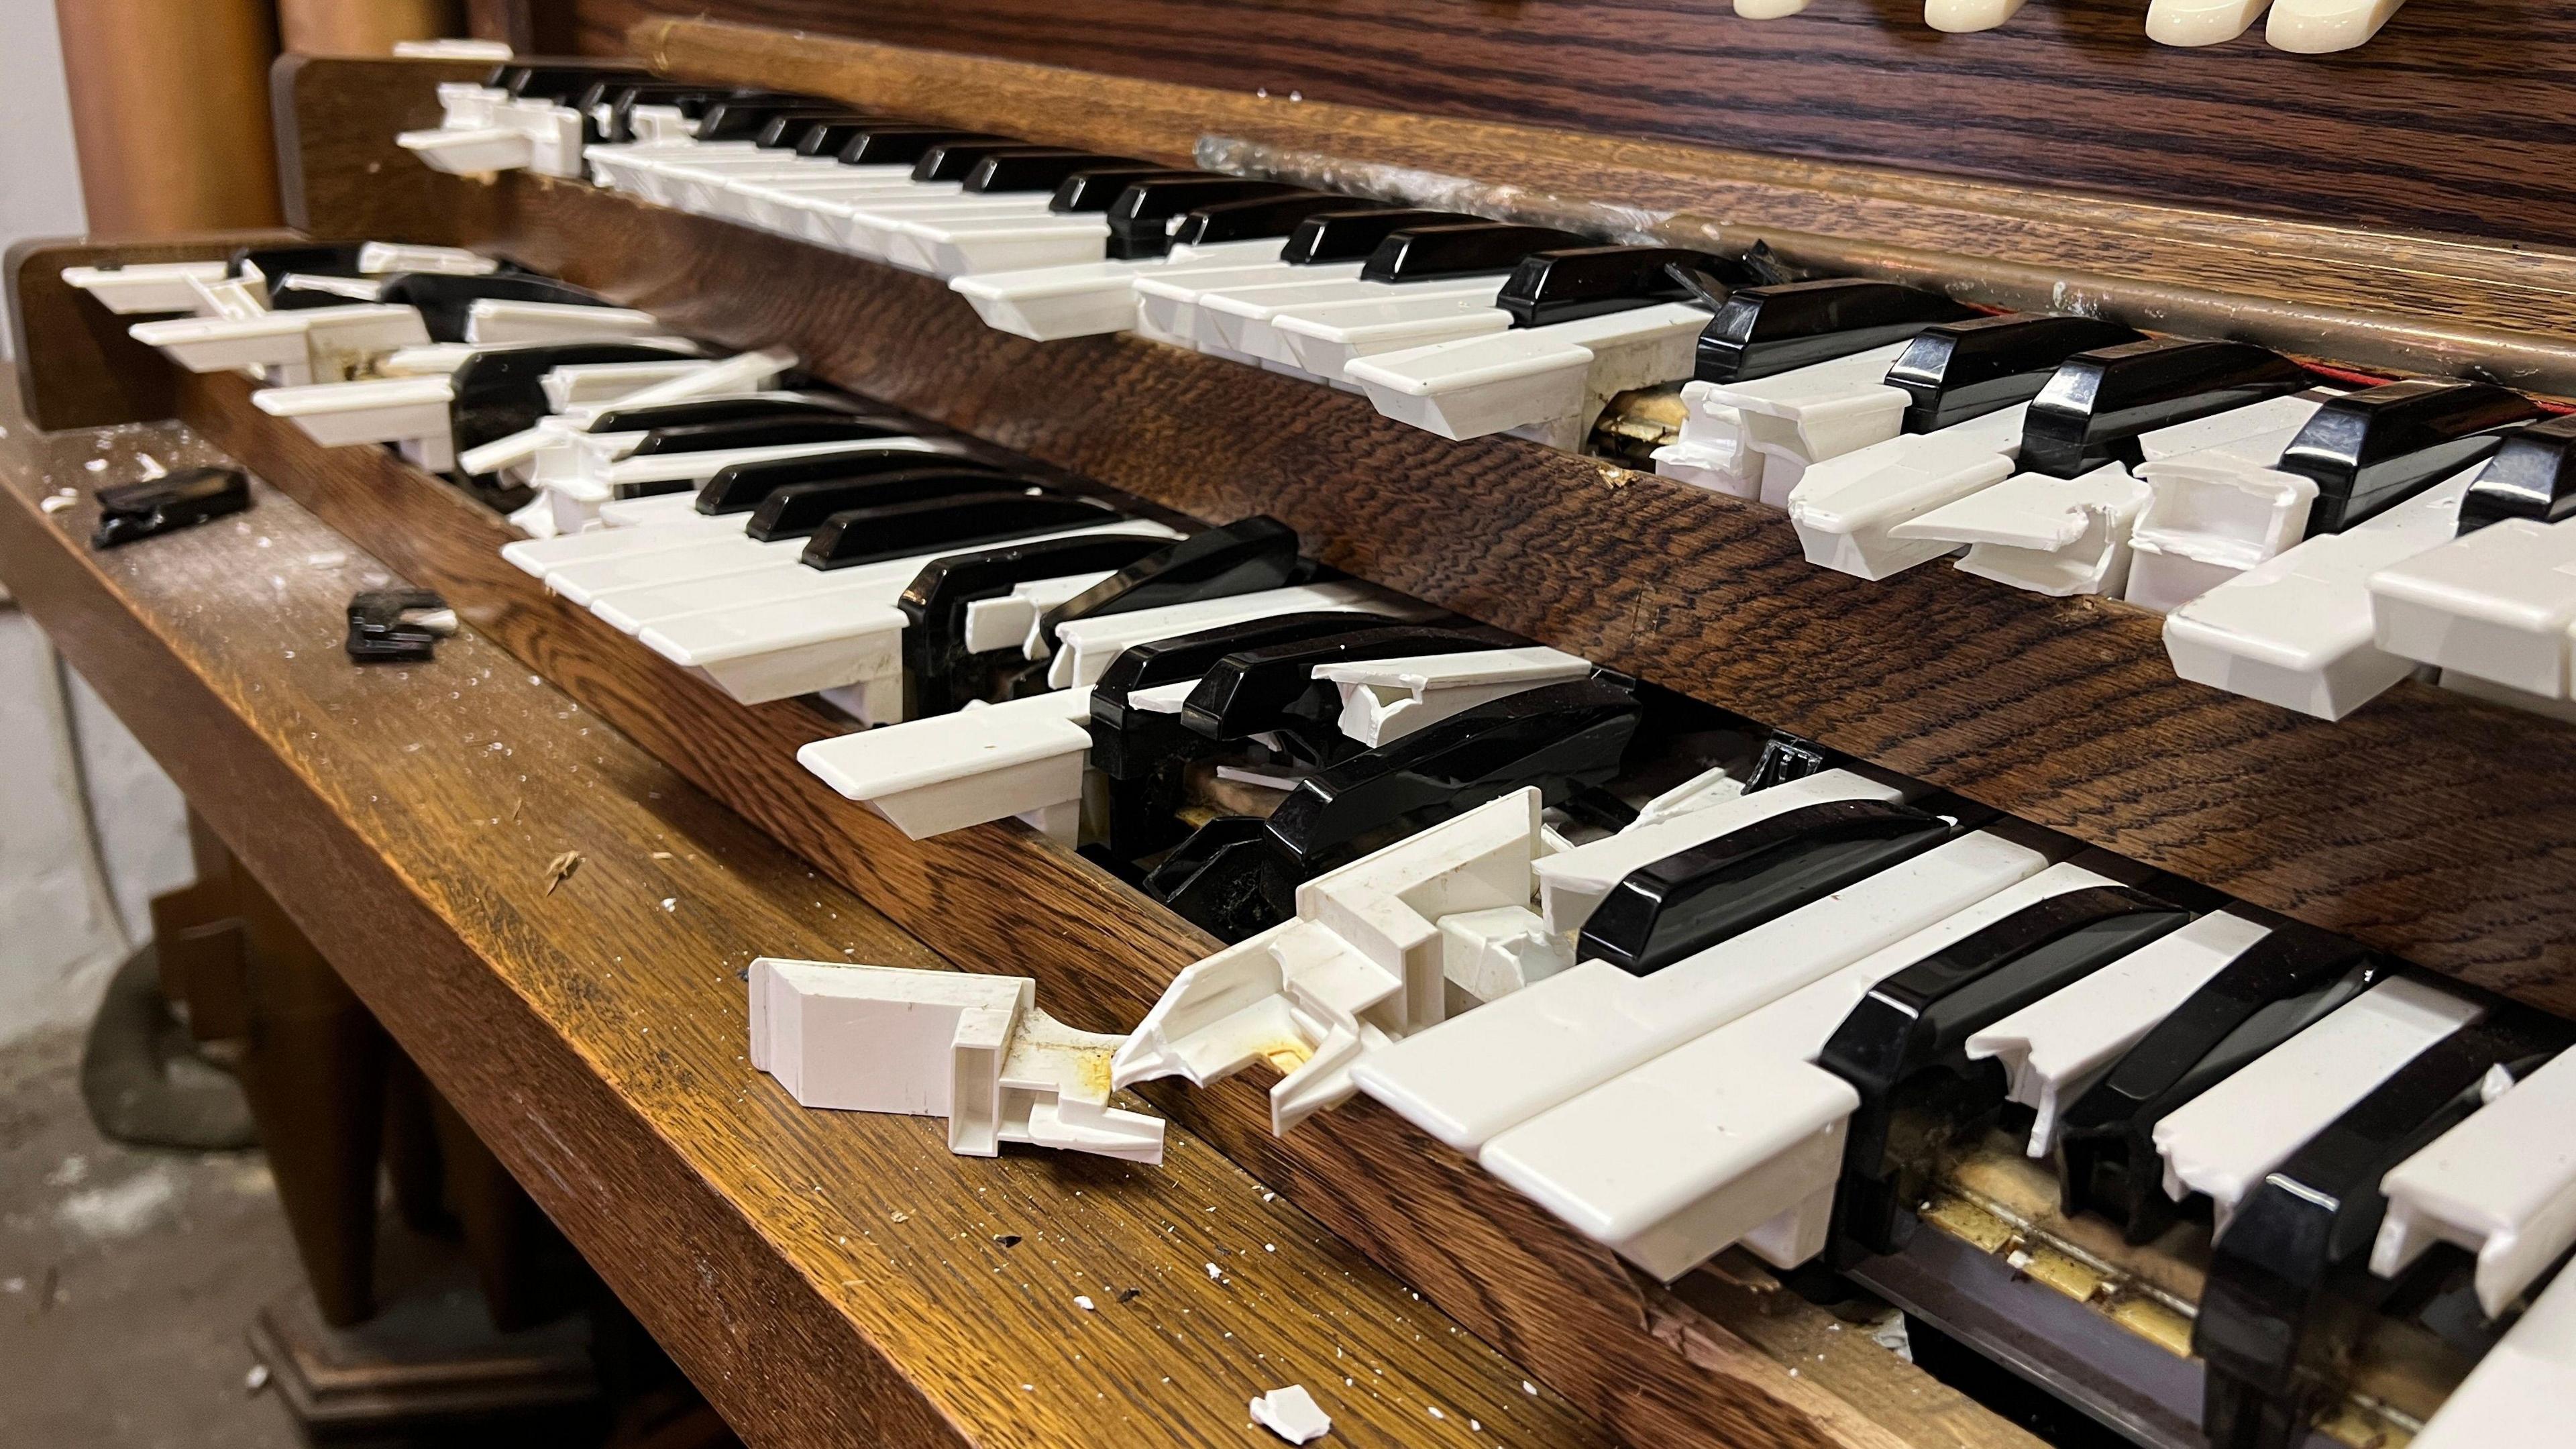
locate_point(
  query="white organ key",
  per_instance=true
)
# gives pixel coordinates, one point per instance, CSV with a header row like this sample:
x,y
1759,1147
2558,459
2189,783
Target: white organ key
x,y
2217,505
2296,630
377,259
1241,319
541,556
1548,382
868,226
1168,308
1046,304
2201,22
2225,1140
2524,1390
1963,16
1735,1135
1387,699
1731,432
578,498
490,322
1844,507
2319,27
1323,338
985,762
294,347
1484,1073
145,287
953,248
704,558
2501,1185
2057,536
412,411
2498,604
1085,647
2055,1048
602,382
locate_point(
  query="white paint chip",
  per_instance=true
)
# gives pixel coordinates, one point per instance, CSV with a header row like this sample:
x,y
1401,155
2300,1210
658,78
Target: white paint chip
x,y
1292,1414
1083,1302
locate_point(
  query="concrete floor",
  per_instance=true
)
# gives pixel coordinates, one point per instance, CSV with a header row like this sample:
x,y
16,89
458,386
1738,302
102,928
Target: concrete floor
x,y
127,1278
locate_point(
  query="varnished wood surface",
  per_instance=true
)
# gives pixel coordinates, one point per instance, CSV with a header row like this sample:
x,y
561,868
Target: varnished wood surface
x,y
2426,823
826,1278
2453,119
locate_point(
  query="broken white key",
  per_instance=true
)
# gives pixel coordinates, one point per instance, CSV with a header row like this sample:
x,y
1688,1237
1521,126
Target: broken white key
x,y
2296,630
302,345
2057,536
2217,505
1549,383
742,372
2224,1141
1363,963
1387,699
971,1048
2320,27
1085,647
1291,1414
2524,1390
379,259
145,287
2201,22
2501,1185
985,762
2497,604
602,382
1503,1064
411,412
2055,1048
491,323
1844,507
1735,1135
1735,436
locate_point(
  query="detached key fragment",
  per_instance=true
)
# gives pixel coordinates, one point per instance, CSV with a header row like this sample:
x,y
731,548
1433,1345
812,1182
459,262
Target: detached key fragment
x,y
395,626
184,499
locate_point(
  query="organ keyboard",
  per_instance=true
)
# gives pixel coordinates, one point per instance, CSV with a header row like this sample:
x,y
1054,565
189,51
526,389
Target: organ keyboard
x,y
1662,983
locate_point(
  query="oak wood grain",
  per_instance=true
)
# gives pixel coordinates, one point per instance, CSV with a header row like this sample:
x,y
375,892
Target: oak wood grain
x,y
2452,119
827,1278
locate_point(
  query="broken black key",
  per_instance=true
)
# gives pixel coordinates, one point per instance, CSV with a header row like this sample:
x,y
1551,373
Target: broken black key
x,y
130,511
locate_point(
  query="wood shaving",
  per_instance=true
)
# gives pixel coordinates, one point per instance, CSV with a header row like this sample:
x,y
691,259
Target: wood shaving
x,y
560,869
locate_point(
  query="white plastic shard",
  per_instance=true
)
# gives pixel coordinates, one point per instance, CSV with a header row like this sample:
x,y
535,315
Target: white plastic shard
x,y
2320,27
2201,22
1084,647
1549,382
2524,1390
2055,1048
1046,304
302,345
2224,1141
1005,622
985,762
452,49
2497,604
1488,1071
409,411
1959,17
144,287
971,1048
1844,507
492,323
470,151
1736,436
1735,1136
1713,786
1323,338
2296,630
2058,536
1364,963
2501,1185
1291,1414
1386,699
434,359
600,382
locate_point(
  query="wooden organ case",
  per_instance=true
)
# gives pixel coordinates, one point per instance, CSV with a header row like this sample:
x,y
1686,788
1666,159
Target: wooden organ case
x,y
2398,210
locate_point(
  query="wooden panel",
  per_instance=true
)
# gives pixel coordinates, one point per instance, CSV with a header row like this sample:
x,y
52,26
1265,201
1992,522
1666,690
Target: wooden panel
x,y
826,1278
81,368
2453,119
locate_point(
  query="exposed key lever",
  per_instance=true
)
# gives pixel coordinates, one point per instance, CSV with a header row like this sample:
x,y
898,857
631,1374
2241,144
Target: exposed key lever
x,y
2375,448
935,604
1429,253
1904,1048
1561,286
1967,369
743,487
2532,475
130,511
968,520
1764,330
1248,554
2107,1160
797,510
1691,900
2092,410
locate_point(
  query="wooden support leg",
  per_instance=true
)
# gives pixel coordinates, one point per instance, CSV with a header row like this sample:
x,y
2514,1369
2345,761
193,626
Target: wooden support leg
x,y
530,1275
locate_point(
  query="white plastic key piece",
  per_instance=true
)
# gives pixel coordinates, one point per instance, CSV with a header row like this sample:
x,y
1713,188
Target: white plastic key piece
x,y
1548,383
1047,304
145,288
1844,507
1085,647
2501,1185
1292,1414
491,323
742,372
986,762
2226,1140
1363,963
1485,1072
1736,1135
2218,506
1736,437
2297,629
2056,536
303,345
2054,1048
411,412
2524,1390
972,1048
1387,699
2498,604
1324,338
